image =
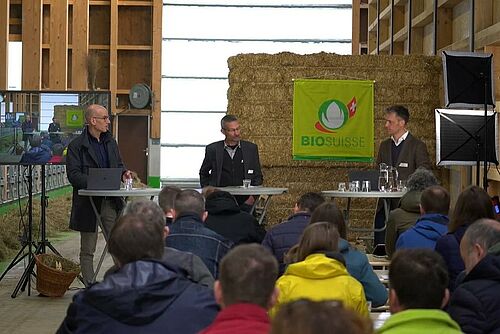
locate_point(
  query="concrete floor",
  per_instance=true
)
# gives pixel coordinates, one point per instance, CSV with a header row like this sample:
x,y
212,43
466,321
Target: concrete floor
x,y
36,314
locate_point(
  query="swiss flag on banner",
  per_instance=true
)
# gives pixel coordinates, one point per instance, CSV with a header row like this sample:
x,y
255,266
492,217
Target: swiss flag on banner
x,y
352,107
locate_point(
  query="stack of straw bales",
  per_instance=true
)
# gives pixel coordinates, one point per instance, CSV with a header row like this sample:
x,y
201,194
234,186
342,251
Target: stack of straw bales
x,y
261,94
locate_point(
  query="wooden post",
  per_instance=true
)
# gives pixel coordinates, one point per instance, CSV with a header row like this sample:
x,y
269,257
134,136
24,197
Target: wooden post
x,y
80,44
32,45
113,56
58,60
156,69
4,43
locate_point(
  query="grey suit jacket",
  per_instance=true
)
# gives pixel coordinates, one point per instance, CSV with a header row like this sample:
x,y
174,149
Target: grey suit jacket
x,y
211,168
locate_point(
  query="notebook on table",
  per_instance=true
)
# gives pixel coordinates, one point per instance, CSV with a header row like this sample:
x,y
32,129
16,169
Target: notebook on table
x,y
104,178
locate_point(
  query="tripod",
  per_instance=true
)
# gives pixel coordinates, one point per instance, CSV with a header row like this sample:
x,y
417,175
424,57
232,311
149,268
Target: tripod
x,y
42,244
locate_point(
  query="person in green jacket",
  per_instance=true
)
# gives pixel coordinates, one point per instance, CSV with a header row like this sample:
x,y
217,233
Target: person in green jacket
x,y
418,289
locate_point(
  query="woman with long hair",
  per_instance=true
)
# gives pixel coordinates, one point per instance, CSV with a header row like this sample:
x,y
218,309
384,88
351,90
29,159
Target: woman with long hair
x,y
320,272
472,204
356,262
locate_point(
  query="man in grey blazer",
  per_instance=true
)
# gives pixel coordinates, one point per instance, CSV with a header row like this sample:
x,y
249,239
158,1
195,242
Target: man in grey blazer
x,y
403,151
228,162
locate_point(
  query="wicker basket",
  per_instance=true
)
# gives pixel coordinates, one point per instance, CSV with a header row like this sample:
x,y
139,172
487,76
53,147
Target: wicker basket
x,y
50,281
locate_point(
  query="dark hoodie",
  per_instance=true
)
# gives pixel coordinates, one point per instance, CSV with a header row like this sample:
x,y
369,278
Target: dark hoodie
x,y
226,218
142,297
475,304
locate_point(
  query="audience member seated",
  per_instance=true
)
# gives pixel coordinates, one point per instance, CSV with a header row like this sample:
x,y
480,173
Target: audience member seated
x,y
408,211
417,292
245,291
226,218
320,272
434,207
38,153
188,232
166,200
472,204
144,295
356,262
280,238
190,265
475,304
57,154
305,316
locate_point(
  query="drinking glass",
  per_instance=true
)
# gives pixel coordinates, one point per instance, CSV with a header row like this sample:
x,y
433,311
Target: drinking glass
x,y
366,186
246,183
401,185
382,183
341,186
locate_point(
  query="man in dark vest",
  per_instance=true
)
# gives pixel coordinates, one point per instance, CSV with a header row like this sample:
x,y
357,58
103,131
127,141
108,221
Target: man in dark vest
x,y
228,162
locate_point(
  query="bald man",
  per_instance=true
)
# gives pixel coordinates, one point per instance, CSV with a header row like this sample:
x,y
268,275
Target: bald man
x,y
94,148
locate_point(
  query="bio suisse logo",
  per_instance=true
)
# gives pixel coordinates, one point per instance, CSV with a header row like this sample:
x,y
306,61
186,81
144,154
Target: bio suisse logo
x,y
334,114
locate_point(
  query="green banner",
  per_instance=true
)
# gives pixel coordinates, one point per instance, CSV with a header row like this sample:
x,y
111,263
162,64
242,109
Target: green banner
x,y
74,117
333,120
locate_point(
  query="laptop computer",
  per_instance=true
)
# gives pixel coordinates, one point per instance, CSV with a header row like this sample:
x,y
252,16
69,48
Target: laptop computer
x,y
365,175
104,178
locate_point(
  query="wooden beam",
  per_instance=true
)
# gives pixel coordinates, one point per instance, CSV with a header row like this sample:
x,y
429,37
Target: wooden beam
x,y
356,25
113,54
32,45
156,69
58,58
80,45
4,43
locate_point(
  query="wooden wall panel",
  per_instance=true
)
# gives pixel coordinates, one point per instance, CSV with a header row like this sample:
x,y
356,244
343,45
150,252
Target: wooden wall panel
x,y
113,54
80,44
58,45
4,42
32,47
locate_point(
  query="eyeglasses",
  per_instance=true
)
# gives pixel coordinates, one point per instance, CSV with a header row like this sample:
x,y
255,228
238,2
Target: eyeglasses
x,y
101,117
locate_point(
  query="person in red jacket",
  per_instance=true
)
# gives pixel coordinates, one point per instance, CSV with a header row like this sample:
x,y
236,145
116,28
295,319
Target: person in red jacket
x,y
245,291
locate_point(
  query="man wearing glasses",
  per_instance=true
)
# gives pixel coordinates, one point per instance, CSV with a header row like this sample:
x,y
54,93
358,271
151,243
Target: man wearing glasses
x,y
94,148
228,162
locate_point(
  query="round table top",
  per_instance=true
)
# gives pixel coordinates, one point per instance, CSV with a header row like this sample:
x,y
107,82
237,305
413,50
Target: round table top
x,y
363,194
254,190
135,192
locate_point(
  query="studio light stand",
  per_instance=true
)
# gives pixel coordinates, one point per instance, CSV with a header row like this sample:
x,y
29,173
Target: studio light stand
x,y
468,81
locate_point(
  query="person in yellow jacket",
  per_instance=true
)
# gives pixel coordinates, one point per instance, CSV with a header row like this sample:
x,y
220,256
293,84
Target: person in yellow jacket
x,y
320,273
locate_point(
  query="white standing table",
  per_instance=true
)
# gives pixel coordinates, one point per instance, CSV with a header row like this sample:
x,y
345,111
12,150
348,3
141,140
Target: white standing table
x,y
256,191
136,192
385,196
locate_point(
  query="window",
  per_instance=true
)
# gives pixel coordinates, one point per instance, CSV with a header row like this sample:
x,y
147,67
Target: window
x,y
199,37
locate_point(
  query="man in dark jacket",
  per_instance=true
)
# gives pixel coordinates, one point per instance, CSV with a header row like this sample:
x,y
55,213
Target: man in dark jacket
x,y
190,265
282,237
189,234
145,295
38,153
94,148
228,162
226,218
434,207
475,303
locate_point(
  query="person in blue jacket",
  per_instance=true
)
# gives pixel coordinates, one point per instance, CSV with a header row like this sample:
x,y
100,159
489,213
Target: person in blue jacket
x,y
38,153
432,224
145,295
356,262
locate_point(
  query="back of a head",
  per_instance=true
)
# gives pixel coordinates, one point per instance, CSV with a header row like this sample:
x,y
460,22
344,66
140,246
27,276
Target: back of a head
x,y
35,141
189,200
166,198
472,204
420,179
310,201
57,149
435,199
248,274
133,238
319,237
400,111
330,212
149,211
305,316
220,194
419,277
485,232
